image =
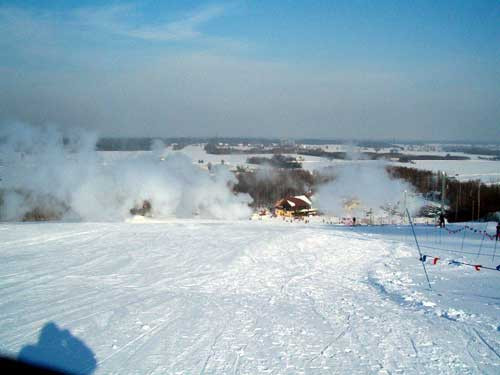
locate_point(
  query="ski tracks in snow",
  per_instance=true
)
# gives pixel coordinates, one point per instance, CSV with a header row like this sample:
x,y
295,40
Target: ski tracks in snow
x,y
240,298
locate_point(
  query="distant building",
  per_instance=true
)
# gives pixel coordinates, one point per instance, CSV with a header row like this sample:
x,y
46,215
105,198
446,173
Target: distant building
x,y
299,205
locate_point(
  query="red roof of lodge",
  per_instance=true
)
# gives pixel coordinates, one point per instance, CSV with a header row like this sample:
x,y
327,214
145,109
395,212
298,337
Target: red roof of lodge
x,y
293,203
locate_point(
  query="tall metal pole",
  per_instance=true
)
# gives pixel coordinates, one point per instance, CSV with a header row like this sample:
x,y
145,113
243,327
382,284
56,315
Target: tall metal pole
x,y
458,197
478,198
482,240
405,193
422,259
463,238
495,249
443,182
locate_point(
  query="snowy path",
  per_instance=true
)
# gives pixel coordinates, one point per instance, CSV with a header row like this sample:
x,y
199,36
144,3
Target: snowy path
x,y
241,298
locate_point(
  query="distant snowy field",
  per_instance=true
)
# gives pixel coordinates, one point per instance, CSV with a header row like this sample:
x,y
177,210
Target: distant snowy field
x,y
475,168
485,170
248,297
464,170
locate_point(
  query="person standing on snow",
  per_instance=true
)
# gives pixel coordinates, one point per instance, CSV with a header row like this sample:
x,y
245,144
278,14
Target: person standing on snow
x,y
441,220
498,231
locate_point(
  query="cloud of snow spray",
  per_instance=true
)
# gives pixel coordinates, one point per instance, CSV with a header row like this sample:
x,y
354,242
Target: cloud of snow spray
x,y
61,175
362,185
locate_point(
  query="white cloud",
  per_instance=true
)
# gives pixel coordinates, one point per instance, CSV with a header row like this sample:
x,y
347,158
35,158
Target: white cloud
x,y
186,28
124,20
31,26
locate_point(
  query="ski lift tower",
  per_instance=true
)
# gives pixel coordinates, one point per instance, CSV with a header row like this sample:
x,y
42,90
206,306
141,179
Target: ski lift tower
x,y
404,206
443,183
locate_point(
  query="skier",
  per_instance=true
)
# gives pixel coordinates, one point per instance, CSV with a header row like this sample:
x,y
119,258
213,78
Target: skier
x,y
498,231
353,221
441,220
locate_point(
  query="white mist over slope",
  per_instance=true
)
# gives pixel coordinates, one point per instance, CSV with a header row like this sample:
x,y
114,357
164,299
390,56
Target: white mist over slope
x,y
62,174
366,183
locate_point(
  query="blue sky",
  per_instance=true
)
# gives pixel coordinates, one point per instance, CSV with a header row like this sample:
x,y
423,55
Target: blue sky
x,y
350,69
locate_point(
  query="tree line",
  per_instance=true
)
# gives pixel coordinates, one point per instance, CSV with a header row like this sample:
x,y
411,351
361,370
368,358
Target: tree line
x,y
268,186
466,200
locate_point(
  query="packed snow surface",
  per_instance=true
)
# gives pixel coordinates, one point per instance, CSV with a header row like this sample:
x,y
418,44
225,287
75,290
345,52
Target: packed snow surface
x,y
247,297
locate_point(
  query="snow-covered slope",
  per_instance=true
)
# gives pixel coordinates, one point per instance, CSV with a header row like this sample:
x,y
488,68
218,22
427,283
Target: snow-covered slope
x,y
192,296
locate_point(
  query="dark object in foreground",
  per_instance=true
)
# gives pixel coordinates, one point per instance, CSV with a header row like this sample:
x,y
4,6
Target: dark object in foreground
x,y
13,366
58,351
